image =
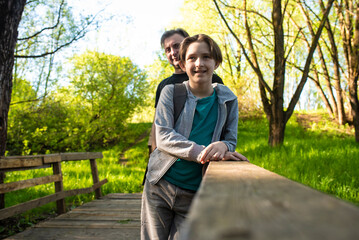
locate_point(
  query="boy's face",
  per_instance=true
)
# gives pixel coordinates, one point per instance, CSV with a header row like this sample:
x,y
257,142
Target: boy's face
x,y
171,46
199,65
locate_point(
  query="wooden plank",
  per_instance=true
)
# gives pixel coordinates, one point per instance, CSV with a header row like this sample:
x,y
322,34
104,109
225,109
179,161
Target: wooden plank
x,y
6,163
118,210
103,224
52,158
78,233
22,157
23,207
26,168
101,215
114,204
80,156
9,187
124,196
238,200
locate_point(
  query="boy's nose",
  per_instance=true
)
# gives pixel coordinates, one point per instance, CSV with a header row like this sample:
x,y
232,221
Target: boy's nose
x,y
199,62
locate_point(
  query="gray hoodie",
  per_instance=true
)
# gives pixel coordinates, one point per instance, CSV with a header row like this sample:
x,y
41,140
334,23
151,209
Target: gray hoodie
x,y
172,141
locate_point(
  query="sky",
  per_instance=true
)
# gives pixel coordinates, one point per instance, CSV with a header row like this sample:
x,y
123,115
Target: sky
x,y
133,27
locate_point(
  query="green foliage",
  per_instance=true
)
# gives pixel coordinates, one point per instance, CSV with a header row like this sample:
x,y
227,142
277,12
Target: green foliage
x,y
90,113
109,89
43,128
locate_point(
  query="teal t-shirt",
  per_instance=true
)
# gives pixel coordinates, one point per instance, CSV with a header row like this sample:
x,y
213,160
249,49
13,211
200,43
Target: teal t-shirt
x,y
188,174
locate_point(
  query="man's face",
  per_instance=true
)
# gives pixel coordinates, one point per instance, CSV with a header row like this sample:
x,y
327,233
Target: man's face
x,y
171,46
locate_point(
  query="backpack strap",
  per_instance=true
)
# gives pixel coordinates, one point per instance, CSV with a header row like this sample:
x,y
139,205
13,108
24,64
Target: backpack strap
x,y
179,99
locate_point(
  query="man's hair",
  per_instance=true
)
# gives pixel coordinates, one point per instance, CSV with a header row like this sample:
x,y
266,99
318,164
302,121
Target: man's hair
x,y
214,49
169,33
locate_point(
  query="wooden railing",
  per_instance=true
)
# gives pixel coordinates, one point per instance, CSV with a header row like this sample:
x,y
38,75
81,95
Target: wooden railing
x,y
19,163
238,200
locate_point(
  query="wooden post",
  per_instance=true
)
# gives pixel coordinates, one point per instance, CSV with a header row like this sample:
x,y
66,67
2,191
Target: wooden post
x,y
59,187
2,195
95,177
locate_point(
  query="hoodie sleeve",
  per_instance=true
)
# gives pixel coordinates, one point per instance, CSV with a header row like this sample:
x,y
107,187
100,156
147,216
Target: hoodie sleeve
x,y
167,139
230,131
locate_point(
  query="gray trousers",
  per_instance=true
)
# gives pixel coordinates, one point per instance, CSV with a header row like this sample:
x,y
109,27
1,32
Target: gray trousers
x,y
164,209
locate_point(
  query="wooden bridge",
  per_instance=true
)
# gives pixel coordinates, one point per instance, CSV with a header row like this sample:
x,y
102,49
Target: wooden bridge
x,y
114,216
237,200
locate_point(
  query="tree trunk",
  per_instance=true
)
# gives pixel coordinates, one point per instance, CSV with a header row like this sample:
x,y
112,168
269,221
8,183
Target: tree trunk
x,y
354,73
276,119
276,130
10,15
353,97
349,23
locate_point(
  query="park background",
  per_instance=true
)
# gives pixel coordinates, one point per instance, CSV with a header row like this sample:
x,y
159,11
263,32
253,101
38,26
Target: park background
x,y
85,76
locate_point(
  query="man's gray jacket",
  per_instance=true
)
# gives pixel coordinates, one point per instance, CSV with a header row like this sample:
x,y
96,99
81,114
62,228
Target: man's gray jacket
x,y
172,142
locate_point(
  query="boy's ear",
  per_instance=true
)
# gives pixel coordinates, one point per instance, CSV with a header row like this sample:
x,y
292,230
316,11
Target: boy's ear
x,y
182,66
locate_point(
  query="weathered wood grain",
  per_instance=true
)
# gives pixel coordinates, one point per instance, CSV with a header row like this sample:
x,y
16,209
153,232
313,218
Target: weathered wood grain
x,y
78,233
59,187
52,158
20,162
95,177
238,200
80,156
13,186
107,218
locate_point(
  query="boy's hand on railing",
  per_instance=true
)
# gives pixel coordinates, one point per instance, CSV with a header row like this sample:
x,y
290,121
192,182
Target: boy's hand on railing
x,y
234,156
214,152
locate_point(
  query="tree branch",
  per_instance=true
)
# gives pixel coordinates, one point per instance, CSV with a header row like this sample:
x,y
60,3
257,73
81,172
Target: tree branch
x,y
250,11
255,68
47,28
313,46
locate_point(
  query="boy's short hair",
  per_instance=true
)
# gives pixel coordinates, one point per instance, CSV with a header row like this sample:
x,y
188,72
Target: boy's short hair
x,y
213,47
169,33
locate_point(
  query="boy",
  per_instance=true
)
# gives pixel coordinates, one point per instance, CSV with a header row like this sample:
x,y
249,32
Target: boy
x,y
170,42
206,130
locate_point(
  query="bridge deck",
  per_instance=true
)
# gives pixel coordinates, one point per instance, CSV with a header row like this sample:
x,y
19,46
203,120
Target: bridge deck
x,y
114,216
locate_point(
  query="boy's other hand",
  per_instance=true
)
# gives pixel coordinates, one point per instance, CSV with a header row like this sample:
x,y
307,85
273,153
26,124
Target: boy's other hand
x,y
234,156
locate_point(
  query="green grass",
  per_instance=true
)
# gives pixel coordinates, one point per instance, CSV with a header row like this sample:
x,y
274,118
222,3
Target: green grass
x,y
324,160
323,157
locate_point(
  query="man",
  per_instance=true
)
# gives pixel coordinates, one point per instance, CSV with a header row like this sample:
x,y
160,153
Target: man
x,y
170,42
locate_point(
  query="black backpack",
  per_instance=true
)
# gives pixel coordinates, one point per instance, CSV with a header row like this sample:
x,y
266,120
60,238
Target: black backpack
x,y
179,99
